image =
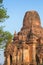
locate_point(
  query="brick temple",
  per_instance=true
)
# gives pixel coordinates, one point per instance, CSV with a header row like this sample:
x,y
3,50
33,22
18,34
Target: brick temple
x,y
27,45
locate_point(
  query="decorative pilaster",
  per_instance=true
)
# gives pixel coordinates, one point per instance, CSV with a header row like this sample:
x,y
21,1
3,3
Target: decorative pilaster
x,y
34,53
8,60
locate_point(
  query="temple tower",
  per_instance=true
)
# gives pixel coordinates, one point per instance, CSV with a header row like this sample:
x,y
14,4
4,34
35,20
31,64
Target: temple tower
x,y
27,45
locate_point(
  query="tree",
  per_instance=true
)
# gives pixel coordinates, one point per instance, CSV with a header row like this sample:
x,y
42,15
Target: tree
x,y
1,1
5,36
3,12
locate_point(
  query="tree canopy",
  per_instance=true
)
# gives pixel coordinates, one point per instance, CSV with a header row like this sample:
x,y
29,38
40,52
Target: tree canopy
x,y
3,12
1,1
5,36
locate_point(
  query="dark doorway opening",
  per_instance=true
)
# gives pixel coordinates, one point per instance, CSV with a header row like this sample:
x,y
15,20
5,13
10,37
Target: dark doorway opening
x,y
37,59
10,59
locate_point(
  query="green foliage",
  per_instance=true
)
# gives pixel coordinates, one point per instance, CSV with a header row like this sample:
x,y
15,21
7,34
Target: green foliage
x,y
3,14
1,32
1,1
5,37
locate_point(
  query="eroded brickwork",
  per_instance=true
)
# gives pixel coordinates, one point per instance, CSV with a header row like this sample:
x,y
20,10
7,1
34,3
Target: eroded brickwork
x,y
27,45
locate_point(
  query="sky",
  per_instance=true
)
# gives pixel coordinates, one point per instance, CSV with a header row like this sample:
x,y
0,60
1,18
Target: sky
x,y
16,10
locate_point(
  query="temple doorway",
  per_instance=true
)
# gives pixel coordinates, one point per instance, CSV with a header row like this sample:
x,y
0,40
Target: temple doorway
x,y
37,60
10,60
